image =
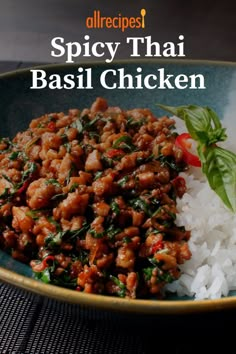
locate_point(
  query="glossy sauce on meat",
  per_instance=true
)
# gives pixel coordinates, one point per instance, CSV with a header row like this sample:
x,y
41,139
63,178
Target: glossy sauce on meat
x,y
88,199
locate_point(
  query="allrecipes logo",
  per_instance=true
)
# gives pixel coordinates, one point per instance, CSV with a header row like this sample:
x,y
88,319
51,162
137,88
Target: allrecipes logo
x,y
119,22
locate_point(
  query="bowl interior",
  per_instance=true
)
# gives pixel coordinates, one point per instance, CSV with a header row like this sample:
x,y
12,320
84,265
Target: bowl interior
x,y
19,105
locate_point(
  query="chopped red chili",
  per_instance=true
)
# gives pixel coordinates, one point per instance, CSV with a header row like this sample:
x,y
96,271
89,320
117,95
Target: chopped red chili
x,y
184,142
46,259
114,153
51,126
159,245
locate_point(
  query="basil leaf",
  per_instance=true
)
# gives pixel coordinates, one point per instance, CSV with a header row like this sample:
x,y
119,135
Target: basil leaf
x,y
83,123
34,214
191,114
52,181
73,188
125,143
6,194
54,241
44,276
64,280
140,204
97,175
122,182
92,122
220,169
14,155
78,123
147,272
121,291
96,234
218,164
32,167
112,231
115,207
202,123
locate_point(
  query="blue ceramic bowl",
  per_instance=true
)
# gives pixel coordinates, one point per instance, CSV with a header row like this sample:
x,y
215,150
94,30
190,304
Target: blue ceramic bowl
x,y
19,104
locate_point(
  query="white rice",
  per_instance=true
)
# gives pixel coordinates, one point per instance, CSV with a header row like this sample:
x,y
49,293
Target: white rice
x,y
211,271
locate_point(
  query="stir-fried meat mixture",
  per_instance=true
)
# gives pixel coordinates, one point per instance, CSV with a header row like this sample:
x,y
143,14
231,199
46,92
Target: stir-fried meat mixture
x,y
88,199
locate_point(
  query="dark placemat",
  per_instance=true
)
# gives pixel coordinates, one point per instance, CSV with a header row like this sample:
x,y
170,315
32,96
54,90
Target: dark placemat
x,y
32,324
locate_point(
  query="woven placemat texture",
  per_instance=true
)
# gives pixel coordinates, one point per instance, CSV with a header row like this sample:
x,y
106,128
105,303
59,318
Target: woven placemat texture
x,y
30,324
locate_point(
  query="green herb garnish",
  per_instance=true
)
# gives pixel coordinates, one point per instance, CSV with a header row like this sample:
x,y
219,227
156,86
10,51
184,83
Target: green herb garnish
x,y
125,143
218,164
122,182
96,234
73,187
34,214
140,204
112,231
32,167
54,241
98,175
52,181
121,292
70,173
84,124
14,155
115,207
44,275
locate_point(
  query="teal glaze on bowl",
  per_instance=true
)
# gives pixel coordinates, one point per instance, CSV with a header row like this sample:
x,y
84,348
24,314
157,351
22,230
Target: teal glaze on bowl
x,y
19,105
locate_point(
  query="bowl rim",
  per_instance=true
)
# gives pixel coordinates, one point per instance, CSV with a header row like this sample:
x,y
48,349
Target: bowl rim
x,y
141,61
110,303
115,304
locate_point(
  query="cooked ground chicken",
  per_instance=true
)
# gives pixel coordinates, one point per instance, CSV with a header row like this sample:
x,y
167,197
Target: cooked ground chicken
x,y
88,199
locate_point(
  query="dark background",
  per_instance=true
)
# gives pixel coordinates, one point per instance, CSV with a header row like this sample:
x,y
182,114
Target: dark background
x,y
27,26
